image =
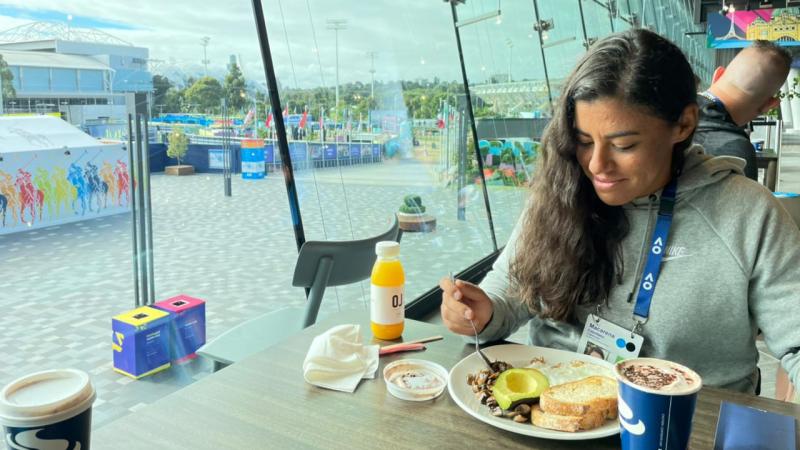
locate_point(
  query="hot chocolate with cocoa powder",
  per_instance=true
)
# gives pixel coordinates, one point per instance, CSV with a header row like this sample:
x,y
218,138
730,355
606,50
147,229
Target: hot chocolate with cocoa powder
x,y
659,375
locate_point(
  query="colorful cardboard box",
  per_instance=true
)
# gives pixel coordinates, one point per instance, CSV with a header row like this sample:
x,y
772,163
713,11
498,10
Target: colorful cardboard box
x,y
141,341
187,327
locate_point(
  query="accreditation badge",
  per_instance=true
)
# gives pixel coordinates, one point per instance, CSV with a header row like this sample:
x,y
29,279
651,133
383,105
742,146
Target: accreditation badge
x,y
608,341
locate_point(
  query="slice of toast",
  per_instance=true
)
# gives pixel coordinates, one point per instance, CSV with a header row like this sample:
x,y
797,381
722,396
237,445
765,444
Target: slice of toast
x,y
595,394
572,424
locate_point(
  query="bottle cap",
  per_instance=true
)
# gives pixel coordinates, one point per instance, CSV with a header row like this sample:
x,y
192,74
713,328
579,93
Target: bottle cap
x,y
387,249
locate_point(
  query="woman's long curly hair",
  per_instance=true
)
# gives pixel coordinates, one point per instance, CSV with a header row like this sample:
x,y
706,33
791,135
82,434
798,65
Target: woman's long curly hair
x,y
569,250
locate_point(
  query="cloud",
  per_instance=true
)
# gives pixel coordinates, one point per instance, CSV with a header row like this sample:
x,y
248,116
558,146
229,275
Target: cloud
x,y
403,34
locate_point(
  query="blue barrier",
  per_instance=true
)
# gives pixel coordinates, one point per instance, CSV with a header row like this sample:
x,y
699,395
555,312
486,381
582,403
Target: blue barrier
x,y
303,155
329,152
315,150
158,157
184,119
269,153
298,151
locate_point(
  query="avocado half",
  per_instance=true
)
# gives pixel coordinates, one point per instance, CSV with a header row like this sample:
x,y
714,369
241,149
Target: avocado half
x,y
516,386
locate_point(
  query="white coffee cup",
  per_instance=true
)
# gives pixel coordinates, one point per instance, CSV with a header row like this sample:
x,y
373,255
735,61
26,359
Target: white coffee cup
x,y
48,410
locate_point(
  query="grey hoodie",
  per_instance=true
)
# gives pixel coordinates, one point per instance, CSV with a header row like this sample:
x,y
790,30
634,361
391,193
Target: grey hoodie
x,y
731,266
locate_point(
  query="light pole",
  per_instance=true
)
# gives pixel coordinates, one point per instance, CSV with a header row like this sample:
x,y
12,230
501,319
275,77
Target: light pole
x,y
336,25
204,42
541,27
372,73
510,45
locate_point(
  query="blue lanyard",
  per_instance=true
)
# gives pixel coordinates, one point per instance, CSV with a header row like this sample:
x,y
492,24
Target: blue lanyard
x,y
659,241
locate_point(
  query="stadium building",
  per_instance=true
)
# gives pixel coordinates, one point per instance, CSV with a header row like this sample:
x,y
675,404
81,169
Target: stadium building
x,y
83,74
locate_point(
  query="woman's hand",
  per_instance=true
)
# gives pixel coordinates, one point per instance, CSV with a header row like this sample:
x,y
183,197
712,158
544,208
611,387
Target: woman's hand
x,y
461,302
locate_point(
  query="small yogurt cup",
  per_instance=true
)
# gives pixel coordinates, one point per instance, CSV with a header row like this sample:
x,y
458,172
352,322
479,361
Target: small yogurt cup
x,y
415,380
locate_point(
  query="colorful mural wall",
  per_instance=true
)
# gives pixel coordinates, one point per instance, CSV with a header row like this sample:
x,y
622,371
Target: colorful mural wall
x,y
737,29
48,187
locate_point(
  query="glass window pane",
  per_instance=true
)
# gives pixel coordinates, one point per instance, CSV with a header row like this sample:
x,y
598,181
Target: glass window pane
x,y
382,147
564,42
511,100
65,80
91,81
36,79
67,260
596,16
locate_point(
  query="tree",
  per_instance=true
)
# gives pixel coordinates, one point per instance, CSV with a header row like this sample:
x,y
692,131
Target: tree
x,y
161,85
173,101
235,88
262,102
6,78
206,93
178,144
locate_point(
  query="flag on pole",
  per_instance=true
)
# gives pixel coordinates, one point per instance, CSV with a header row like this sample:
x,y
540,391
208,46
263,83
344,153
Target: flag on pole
x,y
286,112
439,121
249,117
303,119
269,120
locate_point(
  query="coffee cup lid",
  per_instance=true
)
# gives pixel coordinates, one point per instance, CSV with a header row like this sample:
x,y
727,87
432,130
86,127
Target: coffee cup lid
x,y
694,381
45,397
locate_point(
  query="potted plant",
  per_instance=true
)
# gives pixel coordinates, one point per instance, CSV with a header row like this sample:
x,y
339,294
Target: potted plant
x,y
411,215
178,146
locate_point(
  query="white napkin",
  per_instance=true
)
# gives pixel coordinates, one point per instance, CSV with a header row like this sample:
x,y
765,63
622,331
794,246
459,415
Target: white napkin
x,y
338,360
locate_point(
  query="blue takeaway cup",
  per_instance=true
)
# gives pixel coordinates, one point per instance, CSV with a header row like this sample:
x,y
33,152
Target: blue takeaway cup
x,y
48,410
656,403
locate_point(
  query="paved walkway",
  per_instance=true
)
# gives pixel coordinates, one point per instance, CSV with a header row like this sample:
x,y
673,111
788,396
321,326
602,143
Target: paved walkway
x,y
60,286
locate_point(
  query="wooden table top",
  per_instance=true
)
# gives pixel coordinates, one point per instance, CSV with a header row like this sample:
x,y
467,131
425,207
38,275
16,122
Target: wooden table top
x,y
264,402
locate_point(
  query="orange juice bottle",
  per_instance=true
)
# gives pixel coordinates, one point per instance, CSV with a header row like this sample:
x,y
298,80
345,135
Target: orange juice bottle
x,y
387,309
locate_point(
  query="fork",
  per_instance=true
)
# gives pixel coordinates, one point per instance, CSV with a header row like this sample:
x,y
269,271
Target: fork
x,y
474,329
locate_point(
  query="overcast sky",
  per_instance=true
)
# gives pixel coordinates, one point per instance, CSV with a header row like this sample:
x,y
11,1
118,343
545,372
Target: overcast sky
x,y
411,38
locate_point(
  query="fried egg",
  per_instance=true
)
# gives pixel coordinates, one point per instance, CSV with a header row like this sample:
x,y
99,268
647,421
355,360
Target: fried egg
x,y
560,373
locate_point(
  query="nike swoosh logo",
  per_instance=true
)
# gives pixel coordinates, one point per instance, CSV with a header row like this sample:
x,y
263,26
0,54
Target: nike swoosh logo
x,y
670,258
637,429
626,414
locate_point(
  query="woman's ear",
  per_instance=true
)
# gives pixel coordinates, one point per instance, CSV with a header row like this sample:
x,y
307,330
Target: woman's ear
x,y
686,123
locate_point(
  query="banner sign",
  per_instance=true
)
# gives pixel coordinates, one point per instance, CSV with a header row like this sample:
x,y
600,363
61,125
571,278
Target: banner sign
x,y
737,29
330,152
316,151
216,158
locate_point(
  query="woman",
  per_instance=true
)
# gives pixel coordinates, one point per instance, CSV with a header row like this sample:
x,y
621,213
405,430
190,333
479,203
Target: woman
x,y
592,245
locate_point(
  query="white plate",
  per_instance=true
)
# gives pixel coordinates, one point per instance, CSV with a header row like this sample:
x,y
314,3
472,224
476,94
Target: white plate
x,y
518,356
